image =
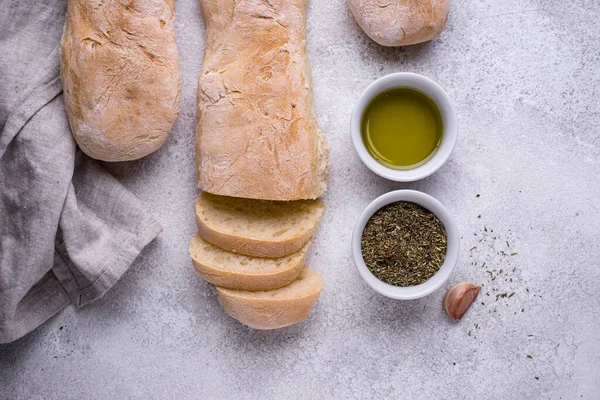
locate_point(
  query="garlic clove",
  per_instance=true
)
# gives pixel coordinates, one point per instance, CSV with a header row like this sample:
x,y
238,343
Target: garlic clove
x,y
459,298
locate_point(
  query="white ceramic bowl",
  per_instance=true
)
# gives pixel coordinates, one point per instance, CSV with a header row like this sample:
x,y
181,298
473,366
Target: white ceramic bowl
x,y
440,277
434,92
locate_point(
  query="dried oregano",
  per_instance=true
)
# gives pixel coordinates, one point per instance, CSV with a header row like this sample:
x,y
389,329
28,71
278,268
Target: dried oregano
x,y
404,244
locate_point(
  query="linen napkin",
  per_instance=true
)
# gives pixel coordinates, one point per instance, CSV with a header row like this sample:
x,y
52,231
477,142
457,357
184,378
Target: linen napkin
x,y
68,229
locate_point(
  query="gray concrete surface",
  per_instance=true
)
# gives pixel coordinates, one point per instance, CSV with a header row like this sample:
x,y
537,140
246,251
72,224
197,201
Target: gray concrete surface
x,y
524,75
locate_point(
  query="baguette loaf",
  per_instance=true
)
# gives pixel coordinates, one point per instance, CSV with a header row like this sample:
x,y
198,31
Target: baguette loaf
x,y
257,133
258,228
401,22
120,76
234,271
277,308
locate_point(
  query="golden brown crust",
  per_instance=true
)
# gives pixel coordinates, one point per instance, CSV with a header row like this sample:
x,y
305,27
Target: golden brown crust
x,y
120,75
401,22
257,135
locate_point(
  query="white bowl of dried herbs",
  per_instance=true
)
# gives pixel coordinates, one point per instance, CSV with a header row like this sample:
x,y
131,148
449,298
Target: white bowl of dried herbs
x,y
405,244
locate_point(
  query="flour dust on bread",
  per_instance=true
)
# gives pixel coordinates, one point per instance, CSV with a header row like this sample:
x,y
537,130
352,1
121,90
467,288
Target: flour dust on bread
x,y
120,76
401,22
257,228
257,133
236,271
277,308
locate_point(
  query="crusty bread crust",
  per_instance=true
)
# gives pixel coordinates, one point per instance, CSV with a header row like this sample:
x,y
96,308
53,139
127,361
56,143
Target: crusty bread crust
x,y
257,133
270,312
401,22
255,247
246,280
120,76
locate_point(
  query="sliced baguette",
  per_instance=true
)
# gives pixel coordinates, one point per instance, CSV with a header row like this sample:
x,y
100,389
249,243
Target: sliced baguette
x,y
274,308
236,271
257,228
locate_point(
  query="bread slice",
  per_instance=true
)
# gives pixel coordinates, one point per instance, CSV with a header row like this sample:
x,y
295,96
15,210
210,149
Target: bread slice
x,y
257,228
277,308
235,271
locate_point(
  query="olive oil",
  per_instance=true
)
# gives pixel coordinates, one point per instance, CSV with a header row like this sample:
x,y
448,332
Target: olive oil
x,y
402,128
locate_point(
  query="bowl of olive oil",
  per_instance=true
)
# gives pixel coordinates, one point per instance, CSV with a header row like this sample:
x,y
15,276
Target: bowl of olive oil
x,y
404,127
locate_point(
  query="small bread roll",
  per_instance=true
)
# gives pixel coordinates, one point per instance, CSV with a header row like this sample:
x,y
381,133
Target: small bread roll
x,y
401,22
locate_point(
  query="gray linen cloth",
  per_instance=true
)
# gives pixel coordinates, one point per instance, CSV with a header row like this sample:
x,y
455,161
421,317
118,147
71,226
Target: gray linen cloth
x,y
68,229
